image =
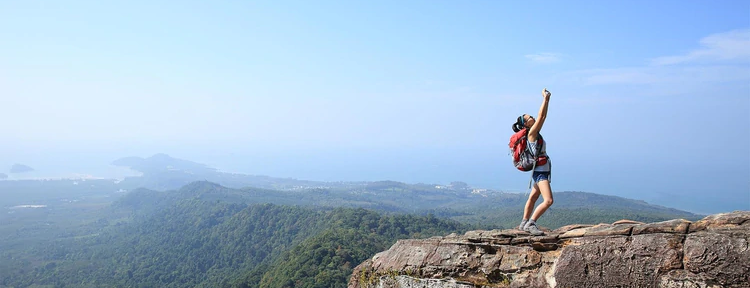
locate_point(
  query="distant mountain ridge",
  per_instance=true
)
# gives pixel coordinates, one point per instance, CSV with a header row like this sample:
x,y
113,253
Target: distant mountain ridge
x,y
456,200
162,162
163,172
496,209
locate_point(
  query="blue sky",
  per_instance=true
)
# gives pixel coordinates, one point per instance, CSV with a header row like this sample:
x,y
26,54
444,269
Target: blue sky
x,y
651,99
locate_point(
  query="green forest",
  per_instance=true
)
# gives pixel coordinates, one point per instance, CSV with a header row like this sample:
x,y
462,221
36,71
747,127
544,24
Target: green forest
x,y
197,243
97,233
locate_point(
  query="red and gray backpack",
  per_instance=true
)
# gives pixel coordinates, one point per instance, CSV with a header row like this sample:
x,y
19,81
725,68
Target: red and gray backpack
x,y
523,159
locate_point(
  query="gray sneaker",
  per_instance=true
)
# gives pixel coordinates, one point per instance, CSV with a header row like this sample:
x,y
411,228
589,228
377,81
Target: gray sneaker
x,y
523,224
531,228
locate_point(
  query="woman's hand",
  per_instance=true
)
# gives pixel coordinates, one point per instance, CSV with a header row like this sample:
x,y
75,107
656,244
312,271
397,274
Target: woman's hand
x,y
546,94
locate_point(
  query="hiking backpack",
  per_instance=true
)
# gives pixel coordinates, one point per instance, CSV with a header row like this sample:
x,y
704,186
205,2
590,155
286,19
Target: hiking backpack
x,y
523,159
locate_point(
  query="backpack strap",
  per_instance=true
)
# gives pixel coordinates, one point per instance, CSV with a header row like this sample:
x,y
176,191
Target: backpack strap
x,y
531,179
541,146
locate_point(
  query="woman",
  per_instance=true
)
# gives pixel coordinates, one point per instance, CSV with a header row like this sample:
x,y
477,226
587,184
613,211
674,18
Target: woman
x,y
541,174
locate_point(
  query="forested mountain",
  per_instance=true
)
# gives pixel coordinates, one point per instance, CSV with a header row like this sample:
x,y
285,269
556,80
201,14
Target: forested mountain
x,y
280,233
485,209
198,243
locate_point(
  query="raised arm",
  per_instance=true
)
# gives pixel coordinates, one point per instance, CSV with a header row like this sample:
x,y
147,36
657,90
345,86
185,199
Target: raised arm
x,y
534,130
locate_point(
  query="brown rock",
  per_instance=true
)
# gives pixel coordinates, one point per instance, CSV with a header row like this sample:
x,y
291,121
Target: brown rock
x,y
474,234
618,261
567,228
609,230
626,221
552,238
515,259
721,221
543,247
672,226
406,281
599,230
578,232
508,233
685,279
719,255
663,254
492,237
520,240
404,254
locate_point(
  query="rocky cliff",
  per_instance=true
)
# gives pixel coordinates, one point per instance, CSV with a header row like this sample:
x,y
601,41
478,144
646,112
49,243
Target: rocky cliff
x,y
710,253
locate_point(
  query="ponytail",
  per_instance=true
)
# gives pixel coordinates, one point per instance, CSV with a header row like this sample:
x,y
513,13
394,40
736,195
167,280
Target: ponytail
x,y
518,126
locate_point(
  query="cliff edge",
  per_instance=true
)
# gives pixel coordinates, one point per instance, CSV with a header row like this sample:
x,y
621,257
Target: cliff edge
x,y
709,253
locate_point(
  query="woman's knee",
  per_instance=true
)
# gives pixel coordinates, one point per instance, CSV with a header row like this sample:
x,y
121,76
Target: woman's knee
x,y
549,202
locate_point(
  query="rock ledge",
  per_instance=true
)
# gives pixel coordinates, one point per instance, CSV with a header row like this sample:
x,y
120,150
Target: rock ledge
x,y
710,253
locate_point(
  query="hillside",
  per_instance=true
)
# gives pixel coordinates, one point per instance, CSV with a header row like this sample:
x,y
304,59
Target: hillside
x,y
190,242
491,209
208,235
456,200
486,208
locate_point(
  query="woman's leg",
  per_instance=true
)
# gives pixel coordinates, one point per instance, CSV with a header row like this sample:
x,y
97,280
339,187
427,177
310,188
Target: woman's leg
x,y
543,188
530,202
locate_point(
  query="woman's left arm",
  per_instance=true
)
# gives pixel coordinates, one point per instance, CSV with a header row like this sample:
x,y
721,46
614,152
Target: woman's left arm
x,y
534,130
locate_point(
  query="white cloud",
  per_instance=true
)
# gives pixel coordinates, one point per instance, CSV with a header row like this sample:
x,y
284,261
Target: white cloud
x,y
723,58
628,75
732,45
544,58
663,75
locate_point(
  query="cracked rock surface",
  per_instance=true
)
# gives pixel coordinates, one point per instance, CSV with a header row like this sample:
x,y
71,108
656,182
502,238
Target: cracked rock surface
x,y
710,253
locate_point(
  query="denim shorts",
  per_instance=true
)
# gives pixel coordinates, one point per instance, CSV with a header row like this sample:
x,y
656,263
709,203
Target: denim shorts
x,y
539,176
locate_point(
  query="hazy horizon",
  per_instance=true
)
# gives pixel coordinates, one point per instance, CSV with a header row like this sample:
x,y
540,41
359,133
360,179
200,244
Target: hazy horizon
x,y
404,166
650,100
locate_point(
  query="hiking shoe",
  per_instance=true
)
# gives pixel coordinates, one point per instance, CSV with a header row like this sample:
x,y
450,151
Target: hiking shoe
x,y
523,224
531,228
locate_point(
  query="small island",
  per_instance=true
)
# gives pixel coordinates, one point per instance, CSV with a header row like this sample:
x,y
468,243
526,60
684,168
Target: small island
x,y
20,168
